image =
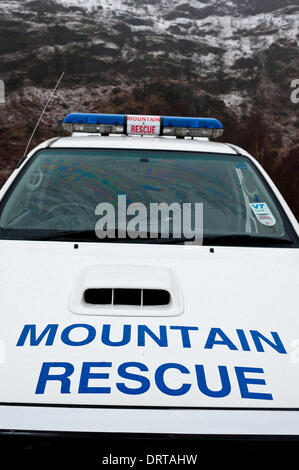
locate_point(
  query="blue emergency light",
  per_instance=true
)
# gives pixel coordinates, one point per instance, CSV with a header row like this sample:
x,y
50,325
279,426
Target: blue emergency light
x,y
105,119
126,124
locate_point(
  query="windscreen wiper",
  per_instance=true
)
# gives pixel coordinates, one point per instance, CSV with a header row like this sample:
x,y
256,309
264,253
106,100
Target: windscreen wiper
x,y
90,235
245,240
217,240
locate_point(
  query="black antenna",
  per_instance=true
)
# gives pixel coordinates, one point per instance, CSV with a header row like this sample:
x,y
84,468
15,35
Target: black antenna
x,y
43,112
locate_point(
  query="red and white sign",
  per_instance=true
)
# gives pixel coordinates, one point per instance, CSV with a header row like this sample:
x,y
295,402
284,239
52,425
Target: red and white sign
x,y
143,125
263,213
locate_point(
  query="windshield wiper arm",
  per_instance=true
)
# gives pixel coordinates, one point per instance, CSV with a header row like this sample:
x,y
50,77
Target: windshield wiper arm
x,y
220,240
90,235
245,240
68,235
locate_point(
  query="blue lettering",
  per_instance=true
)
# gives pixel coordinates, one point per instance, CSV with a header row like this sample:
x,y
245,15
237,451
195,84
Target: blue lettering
x,y
125,339
211,341
30,330
63,378
243,340
86,375
245,381
202,383
257,337
159,378
161,341
91,334
185,334
144,381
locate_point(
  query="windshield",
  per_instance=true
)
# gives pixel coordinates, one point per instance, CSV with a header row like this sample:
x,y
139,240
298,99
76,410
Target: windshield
x,y
60,189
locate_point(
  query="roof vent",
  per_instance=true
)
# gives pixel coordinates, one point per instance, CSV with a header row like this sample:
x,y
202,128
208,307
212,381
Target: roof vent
x,y
126,290
136,297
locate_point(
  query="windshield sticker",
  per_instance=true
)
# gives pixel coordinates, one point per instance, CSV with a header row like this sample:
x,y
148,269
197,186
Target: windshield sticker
x,y
263,213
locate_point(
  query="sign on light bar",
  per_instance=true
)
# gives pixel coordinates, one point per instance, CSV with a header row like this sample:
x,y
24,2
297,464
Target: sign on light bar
x,y
143,125
130,124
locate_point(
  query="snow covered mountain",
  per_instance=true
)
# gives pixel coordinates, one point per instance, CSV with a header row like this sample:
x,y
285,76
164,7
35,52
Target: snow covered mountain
x,y
231,59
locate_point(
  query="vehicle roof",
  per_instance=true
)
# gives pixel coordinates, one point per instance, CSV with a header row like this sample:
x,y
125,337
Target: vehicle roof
x,y
149,143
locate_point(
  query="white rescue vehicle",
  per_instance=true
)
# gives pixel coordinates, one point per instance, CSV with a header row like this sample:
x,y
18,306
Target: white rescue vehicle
x,y
118,336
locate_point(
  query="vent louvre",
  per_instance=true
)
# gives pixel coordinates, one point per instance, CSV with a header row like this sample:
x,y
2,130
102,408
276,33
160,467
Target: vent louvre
x,y
155,297
127,297
98,296
122,297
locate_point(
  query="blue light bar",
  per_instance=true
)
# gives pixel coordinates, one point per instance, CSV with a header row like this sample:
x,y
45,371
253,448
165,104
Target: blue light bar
x,y
191,122
87,118
106,124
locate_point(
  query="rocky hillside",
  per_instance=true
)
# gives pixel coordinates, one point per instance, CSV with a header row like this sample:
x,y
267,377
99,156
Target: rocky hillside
x,y
233,59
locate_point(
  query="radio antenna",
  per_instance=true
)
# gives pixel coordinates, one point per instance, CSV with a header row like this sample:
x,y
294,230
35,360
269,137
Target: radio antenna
x,y
43,112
